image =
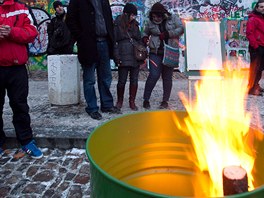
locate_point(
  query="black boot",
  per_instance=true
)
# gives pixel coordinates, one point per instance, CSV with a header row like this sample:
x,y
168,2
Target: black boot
x,y
120,97
132,97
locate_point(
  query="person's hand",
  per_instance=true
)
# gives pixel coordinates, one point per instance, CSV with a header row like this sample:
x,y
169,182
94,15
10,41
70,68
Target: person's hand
x,y
145,40
164,35
118,62
4,31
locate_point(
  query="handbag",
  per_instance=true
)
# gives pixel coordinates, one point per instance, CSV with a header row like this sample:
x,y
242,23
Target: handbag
x,y
171,56
140,51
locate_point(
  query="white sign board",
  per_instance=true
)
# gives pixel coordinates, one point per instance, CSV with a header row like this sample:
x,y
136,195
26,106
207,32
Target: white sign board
x,y
203,45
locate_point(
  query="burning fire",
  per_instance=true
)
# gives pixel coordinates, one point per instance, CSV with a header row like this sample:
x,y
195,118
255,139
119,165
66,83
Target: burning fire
x,y
217,124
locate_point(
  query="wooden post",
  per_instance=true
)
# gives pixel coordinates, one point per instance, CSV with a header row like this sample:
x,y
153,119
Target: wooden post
x,y
235,180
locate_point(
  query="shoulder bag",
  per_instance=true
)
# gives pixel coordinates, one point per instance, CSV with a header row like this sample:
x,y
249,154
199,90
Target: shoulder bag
x,y
171,56
140,51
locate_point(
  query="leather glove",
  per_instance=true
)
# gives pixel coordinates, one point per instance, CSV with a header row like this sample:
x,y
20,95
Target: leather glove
x,y
145,40
164,35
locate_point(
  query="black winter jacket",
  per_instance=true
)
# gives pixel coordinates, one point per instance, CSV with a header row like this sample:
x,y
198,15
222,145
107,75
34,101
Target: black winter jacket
x,y
60,40
124,50
81,22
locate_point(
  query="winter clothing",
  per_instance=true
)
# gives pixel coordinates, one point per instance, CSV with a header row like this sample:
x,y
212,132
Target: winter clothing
x,y
17,30
91,24
124,50
60,39
56,4
255,36
130,9
158,8
81,22
255,30
165,28
124,29
172,25
14,49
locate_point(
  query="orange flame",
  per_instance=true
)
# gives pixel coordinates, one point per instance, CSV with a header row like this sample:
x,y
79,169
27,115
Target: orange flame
x,y
218,123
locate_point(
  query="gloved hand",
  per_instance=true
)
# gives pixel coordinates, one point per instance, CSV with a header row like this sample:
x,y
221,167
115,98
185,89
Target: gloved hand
x,y
145,40
164,35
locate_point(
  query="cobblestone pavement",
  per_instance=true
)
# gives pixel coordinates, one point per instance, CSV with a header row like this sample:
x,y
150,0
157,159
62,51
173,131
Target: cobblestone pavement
x,y
60,173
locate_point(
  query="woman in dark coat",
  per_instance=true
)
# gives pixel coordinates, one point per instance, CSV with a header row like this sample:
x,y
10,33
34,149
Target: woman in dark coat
x,y
126,28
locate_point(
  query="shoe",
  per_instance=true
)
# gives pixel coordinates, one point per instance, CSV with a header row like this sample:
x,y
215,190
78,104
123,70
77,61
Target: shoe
x,y
112,110
164,105
32,150
95,115
146,104
255,92
19,154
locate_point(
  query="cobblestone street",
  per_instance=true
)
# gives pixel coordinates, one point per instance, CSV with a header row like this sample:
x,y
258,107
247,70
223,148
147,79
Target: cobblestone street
x,y
60,173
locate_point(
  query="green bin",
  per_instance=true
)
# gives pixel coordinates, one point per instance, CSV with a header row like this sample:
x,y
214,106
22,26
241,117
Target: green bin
x,y
144,155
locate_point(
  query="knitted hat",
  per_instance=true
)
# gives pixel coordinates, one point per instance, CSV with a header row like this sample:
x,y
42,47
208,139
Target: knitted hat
x,y
158,8
130,9
56,4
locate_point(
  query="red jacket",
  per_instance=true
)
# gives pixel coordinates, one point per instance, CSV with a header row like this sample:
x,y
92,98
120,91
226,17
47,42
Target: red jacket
x,y
13,49
255,30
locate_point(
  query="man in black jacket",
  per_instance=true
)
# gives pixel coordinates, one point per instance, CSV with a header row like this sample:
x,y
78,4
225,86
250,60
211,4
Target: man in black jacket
x,y
60,40
91,24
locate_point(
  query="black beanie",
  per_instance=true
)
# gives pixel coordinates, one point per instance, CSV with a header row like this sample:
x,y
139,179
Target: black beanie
x,y
56,4
158,8
130,9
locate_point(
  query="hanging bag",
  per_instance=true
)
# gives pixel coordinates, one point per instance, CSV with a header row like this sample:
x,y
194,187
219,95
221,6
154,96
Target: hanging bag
x,y
171,56
140,51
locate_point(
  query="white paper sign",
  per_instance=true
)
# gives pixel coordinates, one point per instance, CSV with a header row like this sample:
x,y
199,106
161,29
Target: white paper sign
x,y
203,45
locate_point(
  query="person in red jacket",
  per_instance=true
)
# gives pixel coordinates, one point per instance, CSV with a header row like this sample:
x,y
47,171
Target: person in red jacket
x,y
255,36
16,31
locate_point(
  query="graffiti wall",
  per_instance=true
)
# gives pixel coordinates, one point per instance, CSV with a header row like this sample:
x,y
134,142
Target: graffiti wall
x,y
233,12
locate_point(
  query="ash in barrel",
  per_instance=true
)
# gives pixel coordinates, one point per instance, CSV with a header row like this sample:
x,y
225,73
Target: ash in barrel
x,y
235,180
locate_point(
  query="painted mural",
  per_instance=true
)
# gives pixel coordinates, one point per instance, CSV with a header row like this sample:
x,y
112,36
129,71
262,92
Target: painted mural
x,y
233,12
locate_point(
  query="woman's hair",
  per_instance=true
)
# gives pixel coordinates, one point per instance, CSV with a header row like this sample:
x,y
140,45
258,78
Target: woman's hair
x,y
125,22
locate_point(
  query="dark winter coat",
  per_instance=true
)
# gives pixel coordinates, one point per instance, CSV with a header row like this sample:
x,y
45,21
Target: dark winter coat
x,y
124,50
60,40
81,22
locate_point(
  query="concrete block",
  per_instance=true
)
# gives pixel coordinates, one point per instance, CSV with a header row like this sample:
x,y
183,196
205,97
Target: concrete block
x,y
64,79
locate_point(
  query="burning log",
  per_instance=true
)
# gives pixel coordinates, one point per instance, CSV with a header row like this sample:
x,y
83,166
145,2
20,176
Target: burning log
x,y
235,180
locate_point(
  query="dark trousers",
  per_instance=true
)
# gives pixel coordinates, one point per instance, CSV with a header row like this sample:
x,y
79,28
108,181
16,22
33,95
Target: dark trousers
x,y
14,82
123,74
256,67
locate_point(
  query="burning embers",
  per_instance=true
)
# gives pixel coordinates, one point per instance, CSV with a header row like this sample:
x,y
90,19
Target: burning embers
x,y
218,125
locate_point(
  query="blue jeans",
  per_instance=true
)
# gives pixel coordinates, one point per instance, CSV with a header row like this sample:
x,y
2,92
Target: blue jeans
x,y
104,79
157,69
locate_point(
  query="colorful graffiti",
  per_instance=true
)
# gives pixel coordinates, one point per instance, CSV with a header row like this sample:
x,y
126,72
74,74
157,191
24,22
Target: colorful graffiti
x,y
233,12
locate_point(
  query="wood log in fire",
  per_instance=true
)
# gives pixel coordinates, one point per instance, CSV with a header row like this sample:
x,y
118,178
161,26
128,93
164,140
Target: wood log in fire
x,y
235,180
